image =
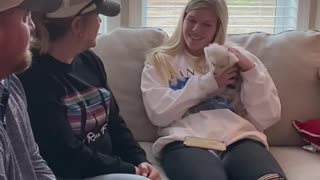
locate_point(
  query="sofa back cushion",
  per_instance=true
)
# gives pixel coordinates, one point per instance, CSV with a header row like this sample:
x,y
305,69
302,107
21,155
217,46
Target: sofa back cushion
x,y
292,58
123,54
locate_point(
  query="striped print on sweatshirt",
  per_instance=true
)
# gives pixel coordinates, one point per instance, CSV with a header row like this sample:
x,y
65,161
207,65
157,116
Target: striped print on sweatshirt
x,y
95,102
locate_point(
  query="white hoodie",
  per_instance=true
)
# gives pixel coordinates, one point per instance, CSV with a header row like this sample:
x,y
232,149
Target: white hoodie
x,y
165,106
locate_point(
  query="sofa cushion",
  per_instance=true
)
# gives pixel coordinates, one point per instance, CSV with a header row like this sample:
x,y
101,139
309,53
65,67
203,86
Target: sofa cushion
x,y
297,163
123,54
292,59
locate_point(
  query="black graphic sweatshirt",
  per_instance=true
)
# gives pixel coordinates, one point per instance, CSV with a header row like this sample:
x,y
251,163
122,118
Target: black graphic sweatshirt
x,y
75,118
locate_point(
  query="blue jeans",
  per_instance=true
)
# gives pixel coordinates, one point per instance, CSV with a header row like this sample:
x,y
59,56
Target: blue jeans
x,y
113,177
118,177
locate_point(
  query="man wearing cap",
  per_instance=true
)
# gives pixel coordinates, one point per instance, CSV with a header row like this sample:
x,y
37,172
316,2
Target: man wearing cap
x,y
19,154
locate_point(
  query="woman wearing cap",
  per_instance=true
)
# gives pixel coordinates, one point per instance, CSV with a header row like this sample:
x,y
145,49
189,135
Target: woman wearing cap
x,y
74,116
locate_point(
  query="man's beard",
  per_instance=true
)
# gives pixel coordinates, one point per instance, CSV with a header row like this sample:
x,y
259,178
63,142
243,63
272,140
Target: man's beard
x,y
24,63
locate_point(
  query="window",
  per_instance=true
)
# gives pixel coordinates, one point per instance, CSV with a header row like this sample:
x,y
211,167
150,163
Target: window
x,y
271,16
103,24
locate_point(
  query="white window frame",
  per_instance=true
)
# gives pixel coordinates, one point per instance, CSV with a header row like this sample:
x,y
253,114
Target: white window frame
x,y
103,24
304,12
317,19
131,15
135,13
280,23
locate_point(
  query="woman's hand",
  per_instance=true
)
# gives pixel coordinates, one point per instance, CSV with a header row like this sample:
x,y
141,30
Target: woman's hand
x,y
138,171
228,77
147,170
244,63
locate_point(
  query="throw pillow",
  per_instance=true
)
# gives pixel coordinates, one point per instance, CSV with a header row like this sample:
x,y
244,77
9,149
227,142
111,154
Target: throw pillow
x,y
310,132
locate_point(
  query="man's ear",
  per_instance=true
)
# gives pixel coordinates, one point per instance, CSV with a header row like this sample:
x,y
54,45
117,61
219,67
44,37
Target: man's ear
x,y
77,27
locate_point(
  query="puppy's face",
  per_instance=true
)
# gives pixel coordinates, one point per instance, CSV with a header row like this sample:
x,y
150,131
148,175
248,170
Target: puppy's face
x,y
217,58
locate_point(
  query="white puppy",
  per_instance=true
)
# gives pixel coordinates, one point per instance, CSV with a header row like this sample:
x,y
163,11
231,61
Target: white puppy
x,y
219,59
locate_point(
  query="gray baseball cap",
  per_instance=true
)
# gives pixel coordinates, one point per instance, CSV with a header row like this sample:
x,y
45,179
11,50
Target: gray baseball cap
x,y
43,6
71,8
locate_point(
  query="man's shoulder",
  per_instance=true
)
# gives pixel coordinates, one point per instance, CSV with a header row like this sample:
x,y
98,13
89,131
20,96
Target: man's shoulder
x,y
16,90
2,141
16,86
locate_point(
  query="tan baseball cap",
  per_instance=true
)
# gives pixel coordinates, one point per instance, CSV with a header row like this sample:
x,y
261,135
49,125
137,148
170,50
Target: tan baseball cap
x,y
71,8
43,6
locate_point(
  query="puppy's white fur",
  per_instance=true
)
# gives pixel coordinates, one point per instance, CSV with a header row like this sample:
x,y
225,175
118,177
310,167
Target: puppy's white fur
x,y
219,59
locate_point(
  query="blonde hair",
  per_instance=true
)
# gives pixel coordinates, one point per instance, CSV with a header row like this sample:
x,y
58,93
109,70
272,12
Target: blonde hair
x,y
159,57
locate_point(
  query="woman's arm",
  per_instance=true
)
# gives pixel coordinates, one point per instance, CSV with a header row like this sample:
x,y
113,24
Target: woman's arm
x,y
259,94
123,141
165,105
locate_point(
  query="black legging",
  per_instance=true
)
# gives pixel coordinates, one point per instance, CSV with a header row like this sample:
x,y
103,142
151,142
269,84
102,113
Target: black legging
x,y
243,160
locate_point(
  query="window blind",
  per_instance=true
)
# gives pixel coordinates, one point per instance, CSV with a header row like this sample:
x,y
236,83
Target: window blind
x,y
271,16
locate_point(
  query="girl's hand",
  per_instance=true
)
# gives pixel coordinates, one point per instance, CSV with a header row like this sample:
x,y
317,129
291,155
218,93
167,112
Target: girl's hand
x,y
147,170
244,63
228,77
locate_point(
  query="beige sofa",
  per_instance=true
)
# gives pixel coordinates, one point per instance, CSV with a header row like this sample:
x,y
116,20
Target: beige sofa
x,y
292,58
